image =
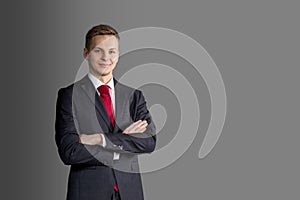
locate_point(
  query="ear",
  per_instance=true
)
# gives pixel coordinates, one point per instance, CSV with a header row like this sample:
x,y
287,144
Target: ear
x,y
85,52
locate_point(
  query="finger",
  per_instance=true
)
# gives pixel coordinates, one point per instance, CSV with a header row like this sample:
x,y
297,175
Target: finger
x,y
141,123
135,125
144,125
141,128
131,126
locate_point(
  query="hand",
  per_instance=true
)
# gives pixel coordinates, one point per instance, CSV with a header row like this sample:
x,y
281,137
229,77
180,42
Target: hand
x,y
136,127
90,139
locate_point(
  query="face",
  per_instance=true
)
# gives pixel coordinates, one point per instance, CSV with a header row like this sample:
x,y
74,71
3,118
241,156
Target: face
x,y
102,56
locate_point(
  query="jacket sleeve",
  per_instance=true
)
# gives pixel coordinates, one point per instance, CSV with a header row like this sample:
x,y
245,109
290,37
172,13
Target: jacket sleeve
x,y
138,142
70,150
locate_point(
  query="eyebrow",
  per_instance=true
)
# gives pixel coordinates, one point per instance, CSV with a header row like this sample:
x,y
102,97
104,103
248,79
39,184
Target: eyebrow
x,y
102,49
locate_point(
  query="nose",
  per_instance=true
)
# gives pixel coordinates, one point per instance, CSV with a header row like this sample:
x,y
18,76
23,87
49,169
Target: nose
x,y
104,56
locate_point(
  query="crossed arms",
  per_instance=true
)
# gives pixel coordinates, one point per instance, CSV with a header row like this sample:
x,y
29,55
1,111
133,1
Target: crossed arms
x,y
139,126
76,148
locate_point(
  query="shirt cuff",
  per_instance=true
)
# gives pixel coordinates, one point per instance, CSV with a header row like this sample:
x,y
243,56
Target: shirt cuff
x,y
116,155
103,140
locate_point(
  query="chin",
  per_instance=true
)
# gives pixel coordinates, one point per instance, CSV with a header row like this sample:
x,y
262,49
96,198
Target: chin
x,y
103,73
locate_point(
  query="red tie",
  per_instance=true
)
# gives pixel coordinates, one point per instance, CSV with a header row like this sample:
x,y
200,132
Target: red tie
x,y
106,100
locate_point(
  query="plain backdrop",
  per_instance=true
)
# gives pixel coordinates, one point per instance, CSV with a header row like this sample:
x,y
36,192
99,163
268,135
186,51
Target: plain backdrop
x,y
255,45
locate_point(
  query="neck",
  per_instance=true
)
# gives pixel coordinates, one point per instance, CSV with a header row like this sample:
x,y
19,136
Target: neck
x,y
104,78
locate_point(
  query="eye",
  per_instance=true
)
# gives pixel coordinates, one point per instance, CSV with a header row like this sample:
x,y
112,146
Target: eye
x,y
112,52
98,51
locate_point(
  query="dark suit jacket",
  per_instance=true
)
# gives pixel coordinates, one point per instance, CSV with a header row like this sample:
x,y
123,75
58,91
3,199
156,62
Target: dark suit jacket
x,y
93,171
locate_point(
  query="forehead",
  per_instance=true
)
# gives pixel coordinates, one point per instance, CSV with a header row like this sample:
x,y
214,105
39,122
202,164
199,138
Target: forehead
x,y
104,41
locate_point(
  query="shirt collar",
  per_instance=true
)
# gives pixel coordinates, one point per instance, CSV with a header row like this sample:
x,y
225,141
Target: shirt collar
x,y
96,82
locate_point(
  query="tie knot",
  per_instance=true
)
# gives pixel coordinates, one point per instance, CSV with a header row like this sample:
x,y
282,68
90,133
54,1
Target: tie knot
x,y
104,89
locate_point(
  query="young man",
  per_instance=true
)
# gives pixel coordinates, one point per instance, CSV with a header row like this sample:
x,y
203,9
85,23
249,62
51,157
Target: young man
x,y
102,125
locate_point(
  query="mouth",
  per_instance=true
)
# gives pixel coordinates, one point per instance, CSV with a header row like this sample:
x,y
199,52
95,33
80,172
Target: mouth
x,y
104,65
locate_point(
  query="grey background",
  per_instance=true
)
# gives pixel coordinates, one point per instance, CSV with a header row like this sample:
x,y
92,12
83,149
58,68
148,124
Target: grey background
x,y
254,43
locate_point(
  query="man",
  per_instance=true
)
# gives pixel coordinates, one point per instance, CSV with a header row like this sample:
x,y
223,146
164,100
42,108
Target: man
x,y
102,126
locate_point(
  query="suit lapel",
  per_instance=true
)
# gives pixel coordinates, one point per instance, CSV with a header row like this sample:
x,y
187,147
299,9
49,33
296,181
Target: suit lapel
x,y
88,88
121,105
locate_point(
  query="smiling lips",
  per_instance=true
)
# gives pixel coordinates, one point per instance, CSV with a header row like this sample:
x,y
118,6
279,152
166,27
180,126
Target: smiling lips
x,y
104,65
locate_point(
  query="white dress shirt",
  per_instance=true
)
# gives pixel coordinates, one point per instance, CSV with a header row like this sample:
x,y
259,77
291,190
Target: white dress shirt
x,y
96,82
